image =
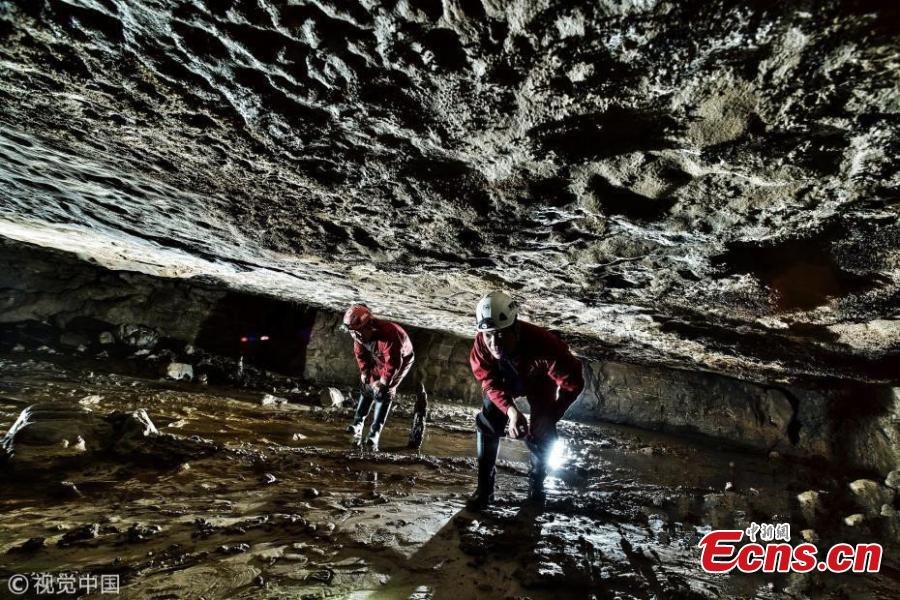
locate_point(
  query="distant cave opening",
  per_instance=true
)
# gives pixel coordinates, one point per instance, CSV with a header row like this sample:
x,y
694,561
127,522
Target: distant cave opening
x,y
268,333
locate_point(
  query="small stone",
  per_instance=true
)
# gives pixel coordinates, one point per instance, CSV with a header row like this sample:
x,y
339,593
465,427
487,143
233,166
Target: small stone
x,y
888,510
85,532
893,479
234,548
647,450
311,493
189,349
82,348
728,486
331,398
184,468
809,504
298,437
18,348
774,455
138,336
180,371
107,338
809,535
66,490
854,520
270,400
269,479
139,533
91,400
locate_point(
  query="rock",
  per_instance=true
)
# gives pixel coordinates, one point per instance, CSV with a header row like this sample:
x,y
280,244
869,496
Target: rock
x,y
331,398
647,451
810,536
311,493
888,510
270,400
18,348
47,435
189,350
32,545
180,371
133,430
774,455
233,548
137,336
85,532
106,338
269,479
854,520
810,505
65,490
140,533
729,486
893,479
870,495
91,400
298,437
52,436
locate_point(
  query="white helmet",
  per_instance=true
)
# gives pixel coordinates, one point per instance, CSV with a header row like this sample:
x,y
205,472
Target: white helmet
x,y
495,311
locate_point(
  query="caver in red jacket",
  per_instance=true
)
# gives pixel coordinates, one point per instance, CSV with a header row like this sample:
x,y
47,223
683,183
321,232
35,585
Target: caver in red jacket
x,y
387,357
542,365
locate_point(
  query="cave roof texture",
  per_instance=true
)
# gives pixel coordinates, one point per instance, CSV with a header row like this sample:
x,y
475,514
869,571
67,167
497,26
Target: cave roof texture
x,y
701,184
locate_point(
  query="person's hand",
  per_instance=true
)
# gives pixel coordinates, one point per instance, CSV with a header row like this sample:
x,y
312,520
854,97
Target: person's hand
x,y
379,388
517,426
364,378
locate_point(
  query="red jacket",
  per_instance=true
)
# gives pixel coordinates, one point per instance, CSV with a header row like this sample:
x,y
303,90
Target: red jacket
x,y
387,356
543,365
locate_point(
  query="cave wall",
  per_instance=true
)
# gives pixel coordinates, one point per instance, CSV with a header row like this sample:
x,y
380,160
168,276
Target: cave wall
x,y
853,424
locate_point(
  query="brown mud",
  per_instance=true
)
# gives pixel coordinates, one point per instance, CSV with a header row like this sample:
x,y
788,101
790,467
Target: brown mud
x,y
285,508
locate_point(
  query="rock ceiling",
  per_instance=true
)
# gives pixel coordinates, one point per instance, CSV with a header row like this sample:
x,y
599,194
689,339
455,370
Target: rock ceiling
x,y
701,184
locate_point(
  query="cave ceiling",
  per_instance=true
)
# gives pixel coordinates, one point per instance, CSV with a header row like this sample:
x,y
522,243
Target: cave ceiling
x,y
702,184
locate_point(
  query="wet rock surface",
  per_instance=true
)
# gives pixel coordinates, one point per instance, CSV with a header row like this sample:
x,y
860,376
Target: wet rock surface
x,y
618,521
704,184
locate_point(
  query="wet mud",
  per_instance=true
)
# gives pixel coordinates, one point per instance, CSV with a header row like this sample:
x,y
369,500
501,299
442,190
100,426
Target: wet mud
x,y
277,504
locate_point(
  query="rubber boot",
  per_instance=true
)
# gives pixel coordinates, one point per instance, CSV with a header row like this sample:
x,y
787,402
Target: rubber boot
x,y
362,411
488,448
382,408
420,416
539,456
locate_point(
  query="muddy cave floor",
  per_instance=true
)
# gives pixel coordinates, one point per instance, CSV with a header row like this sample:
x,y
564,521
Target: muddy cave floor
x,y
285,508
